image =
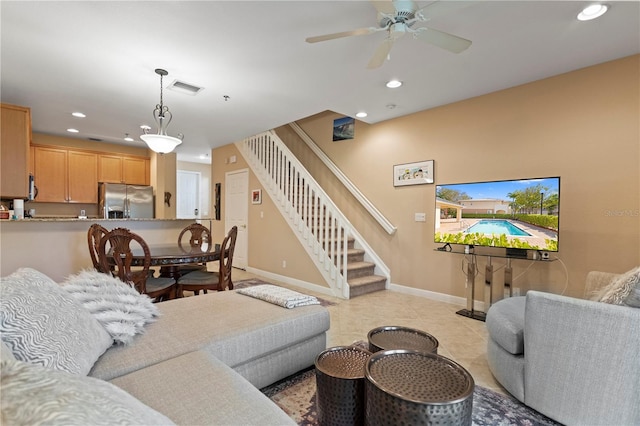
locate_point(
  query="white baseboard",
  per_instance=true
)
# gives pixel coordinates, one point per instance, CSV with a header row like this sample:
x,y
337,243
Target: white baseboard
x,y
440,297
292,281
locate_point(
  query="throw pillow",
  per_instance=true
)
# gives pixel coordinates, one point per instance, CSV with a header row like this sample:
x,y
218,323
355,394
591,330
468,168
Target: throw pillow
x,y
279,296
41,323
121,310
34,395
624,289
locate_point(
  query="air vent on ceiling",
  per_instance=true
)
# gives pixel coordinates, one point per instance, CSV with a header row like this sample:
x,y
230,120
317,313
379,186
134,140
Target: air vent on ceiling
x,y
95,139
181,86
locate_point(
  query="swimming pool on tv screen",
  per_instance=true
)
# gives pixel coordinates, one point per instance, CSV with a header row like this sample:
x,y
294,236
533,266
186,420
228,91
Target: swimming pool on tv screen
x,y
498,227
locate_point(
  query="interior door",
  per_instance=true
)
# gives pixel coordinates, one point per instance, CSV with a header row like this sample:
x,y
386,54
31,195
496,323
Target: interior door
x,y
236,212
188,194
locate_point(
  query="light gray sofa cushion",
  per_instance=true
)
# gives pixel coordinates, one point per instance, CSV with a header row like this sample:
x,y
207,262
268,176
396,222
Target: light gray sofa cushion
x,y
582,360
43,324
235,328
505,323
34,395
198,389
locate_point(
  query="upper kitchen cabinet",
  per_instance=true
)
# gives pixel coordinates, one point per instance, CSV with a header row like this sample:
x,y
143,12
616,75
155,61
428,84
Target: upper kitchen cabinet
x,y
65,175
114,168
14,151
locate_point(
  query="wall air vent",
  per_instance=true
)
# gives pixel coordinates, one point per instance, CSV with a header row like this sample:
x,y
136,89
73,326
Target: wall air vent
x,y
182,87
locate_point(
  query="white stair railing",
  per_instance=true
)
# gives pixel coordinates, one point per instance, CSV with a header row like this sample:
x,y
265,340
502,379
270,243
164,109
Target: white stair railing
x,y
364,201
316,221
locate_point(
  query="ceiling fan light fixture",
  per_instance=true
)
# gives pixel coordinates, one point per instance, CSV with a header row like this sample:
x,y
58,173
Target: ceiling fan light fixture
x,y
161,142
592,12
393,84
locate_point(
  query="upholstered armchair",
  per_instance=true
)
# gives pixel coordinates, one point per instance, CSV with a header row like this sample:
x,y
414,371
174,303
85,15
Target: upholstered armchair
x,y
575,360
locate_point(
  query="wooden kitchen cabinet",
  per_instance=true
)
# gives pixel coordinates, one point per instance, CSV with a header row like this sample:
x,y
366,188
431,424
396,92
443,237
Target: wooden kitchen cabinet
x,y
115,168
65,176
83,177
14,151
135,170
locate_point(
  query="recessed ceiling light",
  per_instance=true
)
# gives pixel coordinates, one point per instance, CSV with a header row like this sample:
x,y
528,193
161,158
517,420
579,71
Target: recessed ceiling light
x,y
128,138
393,84
592,12
361,114
78,114
73,130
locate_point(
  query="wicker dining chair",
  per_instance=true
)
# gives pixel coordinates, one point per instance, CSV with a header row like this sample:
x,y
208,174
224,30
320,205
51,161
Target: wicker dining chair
x,y
206,280
94,235
199,236
120,242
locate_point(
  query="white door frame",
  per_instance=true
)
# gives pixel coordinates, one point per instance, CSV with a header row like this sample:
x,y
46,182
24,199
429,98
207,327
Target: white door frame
x,y
236,213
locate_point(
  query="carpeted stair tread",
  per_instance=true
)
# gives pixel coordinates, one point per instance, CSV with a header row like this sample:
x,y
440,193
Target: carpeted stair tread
x,y
366,284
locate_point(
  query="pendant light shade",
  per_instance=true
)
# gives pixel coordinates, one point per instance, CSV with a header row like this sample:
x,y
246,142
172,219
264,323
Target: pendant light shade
x,y
161,142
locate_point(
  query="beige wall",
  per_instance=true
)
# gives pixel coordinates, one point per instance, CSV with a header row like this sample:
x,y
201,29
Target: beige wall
x,y
583,126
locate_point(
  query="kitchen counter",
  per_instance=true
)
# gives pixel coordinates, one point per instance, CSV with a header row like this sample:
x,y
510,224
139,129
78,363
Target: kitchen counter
x,y
57,246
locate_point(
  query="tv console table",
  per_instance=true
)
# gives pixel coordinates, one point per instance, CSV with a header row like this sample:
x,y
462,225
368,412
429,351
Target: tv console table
x,y
470,311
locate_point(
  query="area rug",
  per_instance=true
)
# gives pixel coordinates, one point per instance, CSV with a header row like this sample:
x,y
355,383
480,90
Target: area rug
x,y
296,396
254,281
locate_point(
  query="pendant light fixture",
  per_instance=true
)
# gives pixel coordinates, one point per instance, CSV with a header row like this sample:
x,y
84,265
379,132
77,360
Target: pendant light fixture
x,y
161,142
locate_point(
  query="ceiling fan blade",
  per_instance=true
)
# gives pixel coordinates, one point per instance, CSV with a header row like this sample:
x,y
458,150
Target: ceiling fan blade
x,y
441,39
381,54
358,32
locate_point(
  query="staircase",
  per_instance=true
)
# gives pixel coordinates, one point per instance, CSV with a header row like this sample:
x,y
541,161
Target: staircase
x,y
348,264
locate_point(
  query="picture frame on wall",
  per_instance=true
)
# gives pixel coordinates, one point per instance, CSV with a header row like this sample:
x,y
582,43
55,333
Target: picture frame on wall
x,y
418,173
256,196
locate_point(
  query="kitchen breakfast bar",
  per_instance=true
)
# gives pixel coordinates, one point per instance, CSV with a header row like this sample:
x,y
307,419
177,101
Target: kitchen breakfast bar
x,y
58,246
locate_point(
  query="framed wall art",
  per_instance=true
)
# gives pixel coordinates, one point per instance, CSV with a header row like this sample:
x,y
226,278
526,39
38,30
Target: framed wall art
x,y
413,173
256,196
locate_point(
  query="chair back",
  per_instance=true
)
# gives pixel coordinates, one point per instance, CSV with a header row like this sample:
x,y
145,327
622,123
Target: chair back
x,y
94,235
199,235
228,246
119,256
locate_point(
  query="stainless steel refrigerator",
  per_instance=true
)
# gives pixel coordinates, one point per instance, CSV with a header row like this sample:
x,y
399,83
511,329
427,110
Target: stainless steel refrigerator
x,y
120,201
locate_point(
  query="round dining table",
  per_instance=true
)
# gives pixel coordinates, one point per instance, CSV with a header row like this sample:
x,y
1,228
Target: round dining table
x,y
171,256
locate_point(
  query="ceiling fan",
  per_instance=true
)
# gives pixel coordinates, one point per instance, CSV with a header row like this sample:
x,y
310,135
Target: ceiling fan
x,y
397,18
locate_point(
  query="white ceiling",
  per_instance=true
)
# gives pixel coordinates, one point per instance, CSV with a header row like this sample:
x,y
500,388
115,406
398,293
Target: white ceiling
x,y
98,57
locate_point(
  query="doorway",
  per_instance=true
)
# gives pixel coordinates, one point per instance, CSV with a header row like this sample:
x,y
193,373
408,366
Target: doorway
x,y
187,194
236,196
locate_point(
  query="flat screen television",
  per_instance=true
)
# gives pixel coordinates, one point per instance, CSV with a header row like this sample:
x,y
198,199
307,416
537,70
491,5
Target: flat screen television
x,y
519,214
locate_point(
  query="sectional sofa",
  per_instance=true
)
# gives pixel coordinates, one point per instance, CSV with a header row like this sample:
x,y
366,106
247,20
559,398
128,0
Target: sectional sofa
x,y
196,360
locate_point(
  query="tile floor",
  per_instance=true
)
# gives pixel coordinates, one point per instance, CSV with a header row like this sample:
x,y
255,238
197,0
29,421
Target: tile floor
x,y
461,339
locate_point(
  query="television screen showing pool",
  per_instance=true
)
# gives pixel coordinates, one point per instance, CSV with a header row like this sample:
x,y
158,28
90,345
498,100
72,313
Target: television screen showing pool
x,y
514,214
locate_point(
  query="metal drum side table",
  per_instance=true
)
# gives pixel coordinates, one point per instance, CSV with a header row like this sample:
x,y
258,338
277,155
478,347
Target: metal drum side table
x,y
340,385
407,387
387,338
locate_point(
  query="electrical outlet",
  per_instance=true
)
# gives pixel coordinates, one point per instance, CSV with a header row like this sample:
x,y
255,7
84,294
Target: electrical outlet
x,y
516,291
284,263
